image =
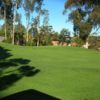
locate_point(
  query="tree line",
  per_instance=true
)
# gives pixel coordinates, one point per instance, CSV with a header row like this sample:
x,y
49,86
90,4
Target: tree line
x,y
9,13
31,34
84,14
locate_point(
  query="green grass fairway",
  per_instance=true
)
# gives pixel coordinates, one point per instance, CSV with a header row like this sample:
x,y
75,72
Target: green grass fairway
x,y
68,73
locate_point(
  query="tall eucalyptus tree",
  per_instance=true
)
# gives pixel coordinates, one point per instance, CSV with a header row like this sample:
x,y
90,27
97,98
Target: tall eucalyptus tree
x,y
16,5
46,18
40,12
6,13
29,7
85,15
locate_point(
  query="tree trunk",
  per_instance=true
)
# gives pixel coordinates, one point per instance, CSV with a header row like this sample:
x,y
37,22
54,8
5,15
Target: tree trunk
x,y
38,40
86,45
14,20
27,36
5,23
38,28
27,30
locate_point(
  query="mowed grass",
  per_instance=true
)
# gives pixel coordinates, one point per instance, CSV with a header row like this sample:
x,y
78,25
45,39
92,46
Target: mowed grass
x,y
68,73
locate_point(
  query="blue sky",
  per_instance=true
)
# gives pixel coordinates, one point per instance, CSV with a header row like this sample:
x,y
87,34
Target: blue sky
x,y
56,18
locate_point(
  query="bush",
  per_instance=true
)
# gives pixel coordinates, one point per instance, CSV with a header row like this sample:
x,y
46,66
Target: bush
x,y
94,42
2,32
78,41
29,43
9,40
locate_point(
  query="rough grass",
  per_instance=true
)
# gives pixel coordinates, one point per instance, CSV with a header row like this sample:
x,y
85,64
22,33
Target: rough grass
x,y
68,73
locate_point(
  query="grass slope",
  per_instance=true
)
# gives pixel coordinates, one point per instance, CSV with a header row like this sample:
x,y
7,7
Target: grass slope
x,y
68,73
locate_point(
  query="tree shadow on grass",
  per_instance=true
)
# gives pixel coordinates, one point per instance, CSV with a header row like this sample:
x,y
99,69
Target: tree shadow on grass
x,y
30,95
12,70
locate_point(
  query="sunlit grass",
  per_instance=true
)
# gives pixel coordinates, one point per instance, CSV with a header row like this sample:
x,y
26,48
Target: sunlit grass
x,y
69,73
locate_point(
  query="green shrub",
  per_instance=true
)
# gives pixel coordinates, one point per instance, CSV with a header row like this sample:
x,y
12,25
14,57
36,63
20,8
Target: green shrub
x,y
2,32
9,40
78,41
94,41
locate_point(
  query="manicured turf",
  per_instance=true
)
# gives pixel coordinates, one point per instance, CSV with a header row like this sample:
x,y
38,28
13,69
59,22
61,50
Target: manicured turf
x,y
68,73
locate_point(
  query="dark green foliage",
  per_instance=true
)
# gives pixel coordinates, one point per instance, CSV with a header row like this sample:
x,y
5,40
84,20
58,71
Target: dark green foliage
x,y
19,38
9,13
6,5
8,40
19,34
2,32
54,36
44,34
78,41
94,41
84,16
64,36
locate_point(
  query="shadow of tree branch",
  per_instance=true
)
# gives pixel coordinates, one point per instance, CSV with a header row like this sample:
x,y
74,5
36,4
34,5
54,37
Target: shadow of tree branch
x,y
12,70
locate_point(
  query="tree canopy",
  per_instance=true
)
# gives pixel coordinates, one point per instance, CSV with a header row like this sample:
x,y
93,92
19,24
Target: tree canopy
x,y
85,15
